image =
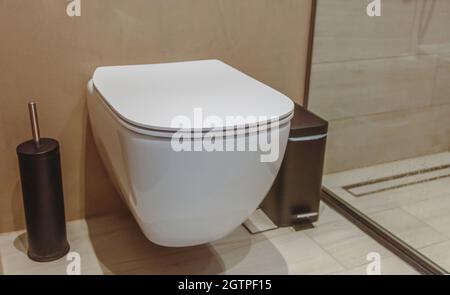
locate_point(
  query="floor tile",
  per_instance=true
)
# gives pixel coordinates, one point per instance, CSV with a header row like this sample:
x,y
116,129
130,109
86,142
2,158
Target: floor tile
x,y
419,213
115,245
439,253
285,252
408,228
15,261
389,266
346,243
386,169
435,212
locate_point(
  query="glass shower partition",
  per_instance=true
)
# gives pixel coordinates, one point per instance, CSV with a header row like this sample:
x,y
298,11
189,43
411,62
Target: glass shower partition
x,y
382,80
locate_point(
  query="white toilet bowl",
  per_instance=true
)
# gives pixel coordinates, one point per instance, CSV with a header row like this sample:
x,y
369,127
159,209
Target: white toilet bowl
x,y
184,198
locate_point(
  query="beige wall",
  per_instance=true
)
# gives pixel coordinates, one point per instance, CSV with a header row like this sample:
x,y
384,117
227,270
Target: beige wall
x,y
49,57
383,82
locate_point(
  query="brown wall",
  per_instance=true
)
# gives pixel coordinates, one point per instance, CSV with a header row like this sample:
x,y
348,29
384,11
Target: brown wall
x,y
49,57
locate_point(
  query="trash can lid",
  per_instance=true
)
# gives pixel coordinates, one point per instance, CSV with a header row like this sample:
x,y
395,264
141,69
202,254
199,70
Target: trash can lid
x,y
305,123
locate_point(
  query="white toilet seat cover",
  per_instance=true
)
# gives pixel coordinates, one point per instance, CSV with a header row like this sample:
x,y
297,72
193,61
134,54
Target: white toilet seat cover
x,y
152,96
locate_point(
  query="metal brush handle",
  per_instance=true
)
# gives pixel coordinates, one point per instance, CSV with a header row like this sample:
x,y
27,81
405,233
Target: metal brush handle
x,y
34,122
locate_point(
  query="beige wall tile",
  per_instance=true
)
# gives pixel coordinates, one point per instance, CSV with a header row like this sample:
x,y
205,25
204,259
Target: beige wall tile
x,y
391,67
433,18
355,88
345,32
368,140
49,57
441,93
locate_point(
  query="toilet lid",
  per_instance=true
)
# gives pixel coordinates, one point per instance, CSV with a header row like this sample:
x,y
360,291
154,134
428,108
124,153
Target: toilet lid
x,y
206,94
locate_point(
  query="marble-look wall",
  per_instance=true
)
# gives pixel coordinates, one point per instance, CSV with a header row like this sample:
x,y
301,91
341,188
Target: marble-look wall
x,y
382,82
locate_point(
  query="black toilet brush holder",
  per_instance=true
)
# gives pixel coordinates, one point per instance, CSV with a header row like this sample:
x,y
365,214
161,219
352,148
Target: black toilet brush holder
x,y
40,174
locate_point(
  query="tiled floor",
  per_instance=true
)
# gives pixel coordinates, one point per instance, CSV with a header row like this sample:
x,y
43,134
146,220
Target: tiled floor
x,y
115,245
418,213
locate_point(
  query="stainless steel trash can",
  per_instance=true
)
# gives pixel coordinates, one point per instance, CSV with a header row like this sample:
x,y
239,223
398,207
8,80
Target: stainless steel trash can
x,y
295,194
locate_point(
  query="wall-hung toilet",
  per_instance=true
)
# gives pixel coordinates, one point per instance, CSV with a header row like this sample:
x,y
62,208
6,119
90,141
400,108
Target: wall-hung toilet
x,y
184,198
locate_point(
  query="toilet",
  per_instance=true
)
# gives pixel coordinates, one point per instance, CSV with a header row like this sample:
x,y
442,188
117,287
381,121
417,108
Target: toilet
x,y
190,196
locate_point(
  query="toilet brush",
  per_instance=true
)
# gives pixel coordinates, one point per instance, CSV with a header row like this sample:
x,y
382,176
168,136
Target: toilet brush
x,y
40,174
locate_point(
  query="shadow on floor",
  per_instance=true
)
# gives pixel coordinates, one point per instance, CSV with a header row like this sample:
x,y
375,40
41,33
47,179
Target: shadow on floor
x,y
121,248
114,244
21,243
